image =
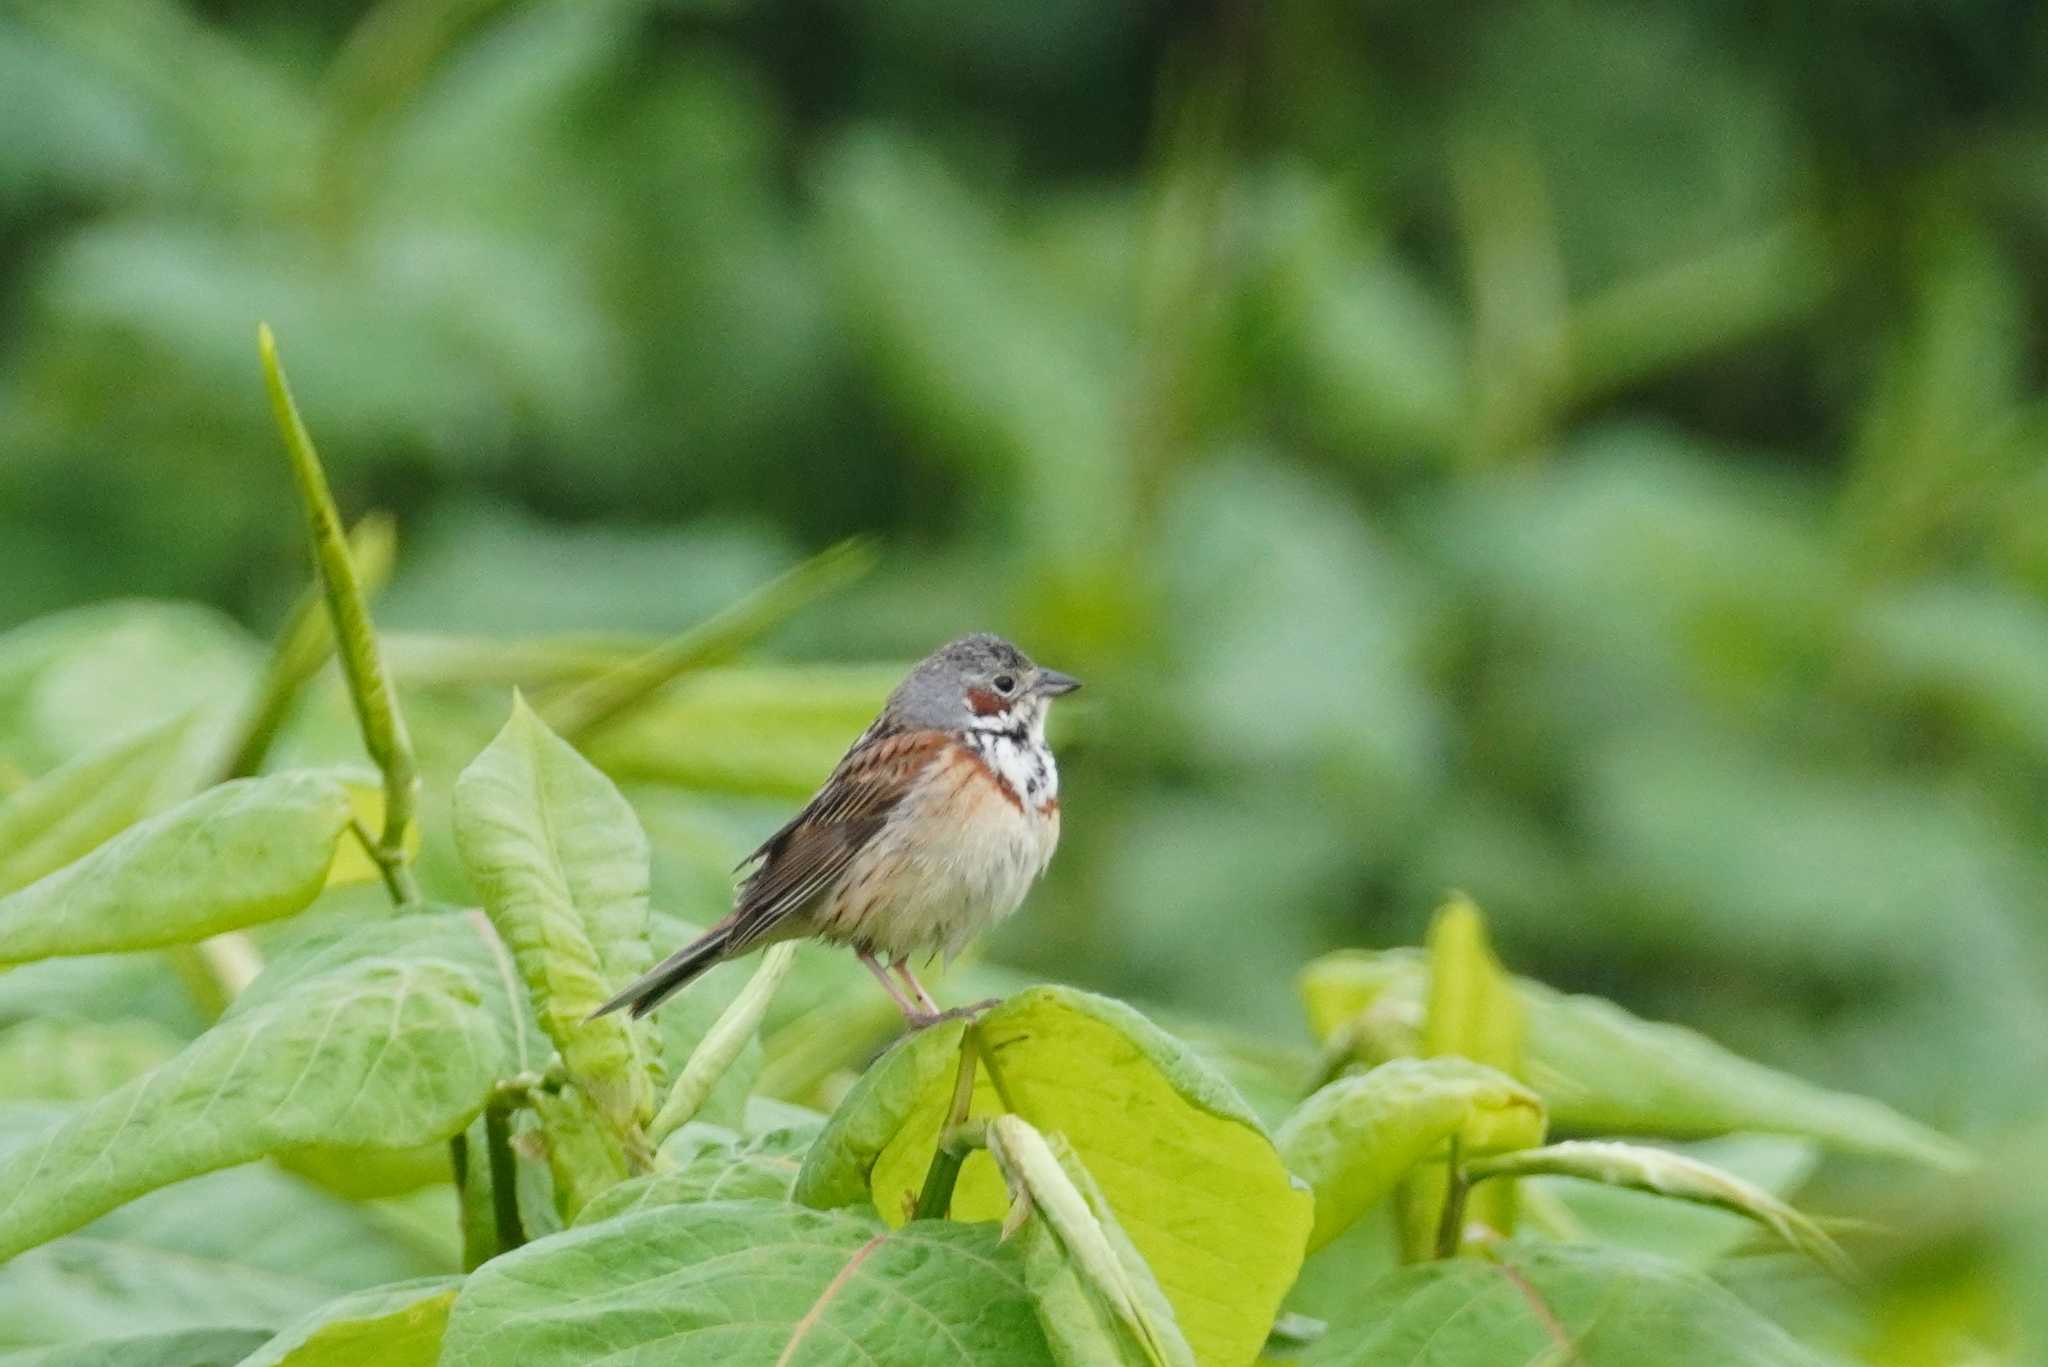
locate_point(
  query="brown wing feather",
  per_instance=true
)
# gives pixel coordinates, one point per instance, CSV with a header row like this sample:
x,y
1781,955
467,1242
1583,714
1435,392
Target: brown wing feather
x,y
805,857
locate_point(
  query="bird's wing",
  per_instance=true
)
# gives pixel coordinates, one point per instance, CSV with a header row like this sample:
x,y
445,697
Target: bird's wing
x,y
804,858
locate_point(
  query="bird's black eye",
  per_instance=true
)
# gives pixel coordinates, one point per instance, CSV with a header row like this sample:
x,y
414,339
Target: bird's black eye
x,y
1005,683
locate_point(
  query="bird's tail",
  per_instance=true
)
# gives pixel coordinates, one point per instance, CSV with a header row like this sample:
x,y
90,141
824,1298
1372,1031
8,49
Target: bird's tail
x,y
668,977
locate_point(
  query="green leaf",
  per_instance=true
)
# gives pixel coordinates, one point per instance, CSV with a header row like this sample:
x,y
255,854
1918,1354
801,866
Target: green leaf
x,y
1669,1174
750,1282
1601,1070
391,1326
1097,1299
1552,1304
710,1168
179,1348
1187,1170
73,808
1472,1010
380,1052
77,1060
1354,1140
237,855
562,866
251,1247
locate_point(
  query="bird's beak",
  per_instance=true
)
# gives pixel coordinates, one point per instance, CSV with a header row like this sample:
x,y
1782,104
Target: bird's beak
x,y
1052,683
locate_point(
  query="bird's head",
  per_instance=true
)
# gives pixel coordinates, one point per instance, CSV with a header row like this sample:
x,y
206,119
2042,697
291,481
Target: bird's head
x,y
980,683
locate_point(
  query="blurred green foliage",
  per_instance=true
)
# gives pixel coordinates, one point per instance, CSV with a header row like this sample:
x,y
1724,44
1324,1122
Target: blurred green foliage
x,y
1590,455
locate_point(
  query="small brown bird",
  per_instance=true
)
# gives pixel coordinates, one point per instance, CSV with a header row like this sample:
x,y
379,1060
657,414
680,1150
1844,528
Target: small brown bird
x,y
929,831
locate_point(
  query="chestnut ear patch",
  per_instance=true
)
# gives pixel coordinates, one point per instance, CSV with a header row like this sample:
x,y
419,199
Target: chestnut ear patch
x,y
984,703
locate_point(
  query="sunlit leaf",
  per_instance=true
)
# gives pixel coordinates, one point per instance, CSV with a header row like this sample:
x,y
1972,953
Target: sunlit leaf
x,y
1096,1297
1186,1169
1355,1139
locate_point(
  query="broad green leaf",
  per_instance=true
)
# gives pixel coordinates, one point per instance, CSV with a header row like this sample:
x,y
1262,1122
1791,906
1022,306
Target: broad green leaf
x,y
1552,1304
750,1282
381,1052
1355,1139
1188,1171
391,1326
1096,1297
1472,1012
1669,1174
720,1167
73,808
237,855
561,863
251,1247
1601,1070
178,1348
77,1060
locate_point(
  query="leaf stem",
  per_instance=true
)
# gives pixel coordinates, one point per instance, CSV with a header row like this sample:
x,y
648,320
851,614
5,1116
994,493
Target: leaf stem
x,y
397,875
722,1043
362,664
936,1197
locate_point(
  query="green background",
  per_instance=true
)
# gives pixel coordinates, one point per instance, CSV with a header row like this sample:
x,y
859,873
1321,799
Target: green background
x,y
1590,455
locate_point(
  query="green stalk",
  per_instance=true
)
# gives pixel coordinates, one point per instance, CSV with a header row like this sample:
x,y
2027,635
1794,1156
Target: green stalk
x,y
604,699
722,1043
1450,1225
936,1197
369,685
504,1176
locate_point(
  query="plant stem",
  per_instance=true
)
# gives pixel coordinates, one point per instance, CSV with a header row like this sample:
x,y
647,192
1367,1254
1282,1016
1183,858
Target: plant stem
x,y
936,1197
504,1174
1450,1228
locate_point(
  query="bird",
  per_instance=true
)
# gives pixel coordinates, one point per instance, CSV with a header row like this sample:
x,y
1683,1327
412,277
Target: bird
x,y
929,831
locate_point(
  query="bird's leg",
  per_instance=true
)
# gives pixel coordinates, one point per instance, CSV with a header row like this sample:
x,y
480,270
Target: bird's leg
x,y
911,1013
931,1014
902,967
